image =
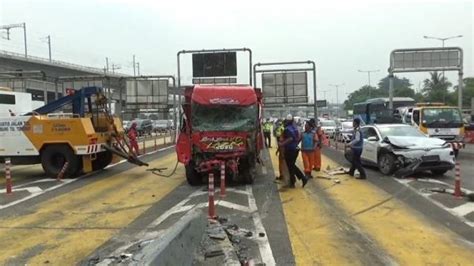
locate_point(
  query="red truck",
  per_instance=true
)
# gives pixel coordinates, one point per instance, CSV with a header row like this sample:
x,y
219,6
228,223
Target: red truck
x,y
221,125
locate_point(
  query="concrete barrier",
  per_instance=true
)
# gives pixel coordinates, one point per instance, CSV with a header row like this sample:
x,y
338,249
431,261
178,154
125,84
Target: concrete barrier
x,y
178,243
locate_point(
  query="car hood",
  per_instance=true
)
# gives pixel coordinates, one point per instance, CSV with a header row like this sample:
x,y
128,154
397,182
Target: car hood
x,y
416,142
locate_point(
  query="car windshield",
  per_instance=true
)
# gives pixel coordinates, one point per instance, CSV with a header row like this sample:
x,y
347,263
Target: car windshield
x,y
224,117
328,123
436,116
400,131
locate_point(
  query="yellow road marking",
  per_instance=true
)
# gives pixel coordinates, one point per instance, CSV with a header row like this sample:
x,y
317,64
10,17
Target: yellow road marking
x,y
405,234
312,245
65,229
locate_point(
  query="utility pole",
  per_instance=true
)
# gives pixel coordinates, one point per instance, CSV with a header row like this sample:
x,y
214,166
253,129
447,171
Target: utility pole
x,y
107,64
368,75
138,68
7,28
134,65
114,67
48,40
337,95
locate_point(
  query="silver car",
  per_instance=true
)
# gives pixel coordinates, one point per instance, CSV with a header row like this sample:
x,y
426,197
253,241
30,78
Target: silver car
x,y
402,150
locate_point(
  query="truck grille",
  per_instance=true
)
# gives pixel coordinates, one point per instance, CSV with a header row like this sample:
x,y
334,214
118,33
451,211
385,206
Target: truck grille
x,y
444,137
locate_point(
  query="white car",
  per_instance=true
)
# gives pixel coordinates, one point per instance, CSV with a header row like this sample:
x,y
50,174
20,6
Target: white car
x,y
403,150
344,132
329,127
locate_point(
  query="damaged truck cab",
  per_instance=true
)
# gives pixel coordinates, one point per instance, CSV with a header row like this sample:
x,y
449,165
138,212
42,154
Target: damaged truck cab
x,y
221,127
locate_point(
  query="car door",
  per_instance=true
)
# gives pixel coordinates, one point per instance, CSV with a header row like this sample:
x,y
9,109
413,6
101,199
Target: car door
x,y
371,145
364,156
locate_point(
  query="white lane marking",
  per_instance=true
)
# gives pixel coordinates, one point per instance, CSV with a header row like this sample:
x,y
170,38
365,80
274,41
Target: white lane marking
x,y
464,209
264,170
32,190
439,204
65,182
234,206
263,243
35,182
435,181
35,195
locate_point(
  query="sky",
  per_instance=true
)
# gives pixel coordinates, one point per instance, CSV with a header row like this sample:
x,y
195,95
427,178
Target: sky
x,y
342,37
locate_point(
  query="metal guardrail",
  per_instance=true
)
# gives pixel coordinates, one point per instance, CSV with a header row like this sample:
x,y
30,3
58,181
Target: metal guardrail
x,y
56,63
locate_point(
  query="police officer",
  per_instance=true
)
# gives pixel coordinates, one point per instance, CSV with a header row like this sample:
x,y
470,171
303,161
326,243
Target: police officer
x,y
267,133
357,144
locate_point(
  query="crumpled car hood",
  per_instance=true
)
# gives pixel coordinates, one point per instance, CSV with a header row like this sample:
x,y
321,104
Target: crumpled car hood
x,y
416,142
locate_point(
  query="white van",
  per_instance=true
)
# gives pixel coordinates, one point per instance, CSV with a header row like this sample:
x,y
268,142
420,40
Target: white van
x,y
18,102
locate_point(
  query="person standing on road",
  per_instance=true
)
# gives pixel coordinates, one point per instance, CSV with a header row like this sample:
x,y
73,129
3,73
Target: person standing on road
x,y
132,136
357,144
267,133
280,151
309,142
290,143
319,145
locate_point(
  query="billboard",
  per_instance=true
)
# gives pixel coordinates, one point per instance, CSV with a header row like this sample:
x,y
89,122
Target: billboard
x,y
426,59
147,94
223,64
289,87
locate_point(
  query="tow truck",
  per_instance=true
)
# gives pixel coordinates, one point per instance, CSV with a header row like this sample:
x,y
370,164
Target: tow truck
x,y
221,128
439,121
76,129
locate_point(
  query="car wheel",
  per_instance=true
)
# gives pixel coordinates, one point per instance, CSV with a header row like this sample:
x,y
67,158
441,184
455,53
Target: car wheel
x,y
438,172
386,163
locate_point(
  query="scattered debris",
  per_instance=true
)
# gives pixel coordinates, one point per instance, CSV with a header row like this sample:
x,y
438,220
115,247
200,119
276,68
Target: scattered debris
x,y
222,220
213,251
248,234
261,234
219,236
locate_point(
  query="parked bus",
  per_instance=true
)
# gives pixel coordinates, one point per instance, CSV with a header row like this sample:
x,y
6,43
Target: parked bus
x,y
16,102
376,110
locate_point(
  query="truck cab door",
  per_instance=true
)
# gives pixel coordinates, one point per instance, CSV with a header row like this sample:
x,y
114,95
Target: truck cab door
x,y
183,145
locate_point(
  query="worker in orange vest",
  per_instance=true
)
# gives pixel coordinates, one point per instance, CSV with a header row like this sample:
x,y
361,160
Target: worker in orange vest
x,y
132,136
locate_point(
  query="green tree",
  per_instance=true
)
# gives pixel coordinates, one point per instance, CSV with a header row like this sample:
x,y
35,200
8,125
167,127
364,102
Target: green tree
x,y
399,84
468,93
435,89
361,95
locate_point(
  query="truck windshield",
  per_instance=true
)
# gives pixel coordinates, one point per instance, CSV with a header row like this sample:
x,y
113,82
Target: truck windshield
x,y
442,117
224,117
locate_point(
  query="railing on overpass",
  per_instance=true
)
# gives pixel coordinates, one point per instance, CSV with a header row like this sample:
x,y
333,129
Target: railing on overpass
x,y
56,63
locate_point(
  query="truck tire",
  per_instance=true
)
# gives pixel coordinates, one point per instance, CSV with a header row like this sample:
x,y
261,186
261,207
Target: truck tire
x,y
192,176
247,171
103,159
53,158
386,163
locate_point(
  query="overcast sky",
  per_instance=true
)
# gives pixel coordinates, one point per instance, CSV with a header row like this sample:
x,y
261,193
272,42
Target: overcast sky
x,y
341,36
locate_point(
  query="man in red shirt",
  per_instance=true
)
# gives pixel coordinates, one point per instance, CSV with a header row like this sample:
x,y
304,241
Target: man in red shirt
x,y
132,136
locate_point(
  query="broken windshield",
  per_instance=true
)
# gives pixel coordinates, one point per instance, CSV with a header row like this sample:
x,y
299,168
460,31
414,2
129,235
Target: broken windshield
x,y
224,117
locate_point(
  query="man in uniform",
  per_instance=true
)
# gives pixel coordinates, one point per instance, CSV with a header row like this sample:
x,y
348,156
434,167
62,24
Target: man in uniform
x,y
267,133
357,144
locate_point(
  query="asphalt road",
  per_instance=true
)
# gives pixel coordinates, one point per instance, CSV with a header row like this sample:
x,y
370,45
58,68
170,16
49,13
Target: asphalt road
x,y
101,216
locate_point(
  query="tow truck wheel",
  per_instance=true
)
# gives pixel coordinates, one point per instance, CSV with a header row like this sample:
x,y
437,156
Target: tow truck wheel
x,y
247,172
192,176
103,159
386,163
53,158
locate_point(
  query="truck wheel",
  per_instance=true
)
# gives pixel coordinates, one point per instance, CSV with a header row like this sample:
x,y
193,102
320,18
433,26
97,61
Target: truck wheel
x,y
192,176
386,163
247,171
103,159
438,172
54,157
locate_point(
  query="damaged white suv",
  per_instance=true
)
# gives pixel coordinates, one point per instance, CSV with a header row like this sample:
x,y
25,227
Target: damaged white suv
x,y
402,150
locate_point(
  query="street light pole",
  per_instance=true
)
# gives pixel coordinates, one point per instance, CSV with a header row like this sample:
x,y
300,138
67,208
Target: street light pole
x,y
49,46
368,75
11,26
442,43
134,65
337,95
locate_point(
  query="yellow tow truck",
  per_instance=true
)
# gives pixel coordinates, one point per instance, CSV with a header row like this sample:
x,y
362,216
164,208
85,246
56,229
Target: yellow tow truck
x,y
77,129
440,121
